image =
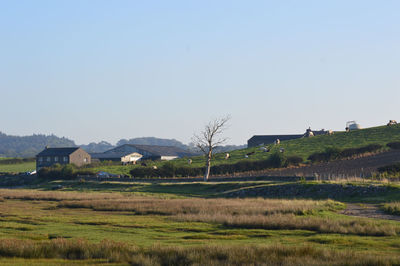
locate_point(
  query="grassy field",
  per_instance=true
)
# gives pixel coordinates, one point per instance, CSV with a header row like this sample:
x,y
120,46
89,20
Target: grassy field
x,y
17,168
164,223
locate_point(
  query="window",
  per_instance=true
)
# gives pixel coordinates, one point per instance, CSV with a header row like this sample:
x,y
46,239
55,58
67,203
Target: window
x,y
85,160
48,159
56,159
65,159
40,159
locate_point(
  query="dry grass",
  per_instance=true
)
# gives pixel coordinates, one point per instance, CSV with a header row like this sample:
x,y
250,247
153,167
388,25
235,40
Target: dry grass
x,y
291,222
392,208
147,205
271,214
204,255
253,213
25,194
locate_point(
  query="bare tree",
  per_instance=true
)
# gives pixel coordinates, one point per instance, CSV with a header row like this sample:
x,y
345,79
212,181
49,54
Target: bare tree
x,y
209,139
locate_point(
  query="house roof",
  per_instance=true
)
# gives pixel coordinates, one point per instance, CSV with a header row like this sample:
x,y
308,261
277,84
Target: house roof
x,y
149,150
162,150
274,137
110,154
57,151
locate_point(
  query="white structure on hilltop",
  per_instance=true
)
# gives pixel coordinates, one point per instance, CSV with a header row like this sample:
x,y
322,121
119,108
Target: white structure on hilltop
x,y
352,125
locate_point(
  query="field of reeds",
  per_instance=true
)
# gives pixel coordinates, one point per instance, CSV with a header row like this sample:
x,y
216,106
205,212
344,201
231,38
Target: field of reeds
x,y
392,208
158,228
114,252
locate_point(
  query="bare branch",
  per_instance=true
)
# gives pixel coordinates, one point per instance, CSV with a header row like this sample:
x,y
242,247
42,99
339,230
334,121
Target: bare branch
x,y
208,139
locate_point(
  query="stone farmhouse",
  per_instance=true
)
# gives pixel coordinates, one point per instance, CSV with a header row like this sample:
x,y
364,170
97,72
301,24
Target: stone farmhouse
x,y
70,155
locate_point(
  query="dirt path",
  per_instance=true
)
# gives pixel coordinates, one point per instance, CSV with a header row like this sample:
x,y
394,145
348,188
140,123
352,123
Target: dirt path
x,y
368,211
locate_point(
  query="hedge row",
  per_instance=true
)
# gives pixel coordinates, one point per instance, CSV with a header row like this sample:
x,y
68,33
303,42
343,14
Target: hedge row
x,y
68,171
17,160
331,154
390,169
169,169
394,145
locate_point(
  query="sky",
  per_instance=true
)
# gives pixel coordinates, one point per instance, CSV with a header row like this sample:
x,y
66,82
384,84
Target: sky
x,y
106,70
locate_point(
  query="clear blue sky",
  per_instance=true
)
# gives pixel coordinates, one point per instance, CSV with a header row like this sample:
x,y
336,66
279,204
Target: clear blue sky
x,y
106,70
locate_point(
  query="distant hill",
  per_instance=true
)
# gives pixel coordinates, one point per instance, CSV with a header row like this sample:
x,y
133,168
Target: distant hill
x,y
153,141
29,146
93,147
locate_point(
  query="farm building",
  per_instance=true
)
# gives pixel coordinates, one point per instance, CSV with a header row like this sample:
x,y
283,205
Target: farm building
x,y
132,152
70,155
115,156
258,140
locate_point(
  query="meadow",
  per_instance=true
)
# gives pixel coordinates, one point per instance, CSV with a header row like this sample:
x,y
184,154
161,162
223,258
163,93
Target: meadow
x,y
16,167
189,223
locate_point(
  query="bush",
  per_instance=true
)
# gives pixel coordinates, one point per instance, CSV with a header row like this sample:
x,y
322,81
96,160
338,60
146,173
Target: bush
x,y
394,145
335,153
294,160
392,169
17,160
68,171
169,169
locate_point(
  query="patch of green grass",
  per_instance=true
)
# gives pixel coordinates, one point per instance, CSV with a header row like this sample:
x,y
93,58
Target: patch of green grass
x,y
17,168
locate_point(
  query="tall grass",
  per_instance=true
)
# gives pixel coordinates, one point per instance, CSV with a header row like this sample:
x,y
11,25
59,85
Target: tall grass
x,y
258,206
270,214
25,194
354,226
198,255
392,208
251,213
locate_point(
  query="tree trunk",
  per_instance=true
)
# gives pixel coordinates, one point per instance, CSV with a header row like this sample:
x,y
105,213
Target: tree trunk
x,y
208,166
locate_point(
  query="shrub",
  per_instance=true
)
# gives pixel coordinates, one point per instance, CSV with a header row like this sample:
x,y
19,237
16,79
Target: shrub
x,y
394,145
390,169
68,171
294,160
17,160
168,169
335,153
277,160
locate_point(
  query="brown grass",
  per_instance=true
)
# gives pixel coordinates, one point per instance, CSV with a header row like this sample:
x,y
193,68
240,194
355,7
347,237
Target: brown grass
x,y
291,222
55,195
199,255
392,208
147,205
255,213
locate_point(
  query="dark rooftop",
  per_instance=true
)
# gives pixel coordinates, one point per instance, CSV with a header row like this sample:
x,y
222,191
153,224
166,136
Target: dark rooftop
x,y
57,151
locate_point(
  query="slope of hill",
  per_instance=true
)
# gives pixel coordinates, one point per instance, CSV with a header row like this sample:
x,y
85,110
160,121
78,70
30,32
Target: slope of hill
x,y
153,141
101,146
304,147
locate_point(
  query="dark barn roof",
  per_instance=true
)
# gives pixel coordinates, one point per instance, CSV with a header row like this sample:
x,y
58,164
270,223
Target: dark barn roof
x,y
110,155
57,151
268,139
162,150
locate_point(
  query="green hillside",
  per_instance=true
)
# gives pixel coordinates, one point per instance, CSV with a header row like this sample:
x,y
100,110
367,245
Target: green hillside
x,y
303,147
306,146
299,147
